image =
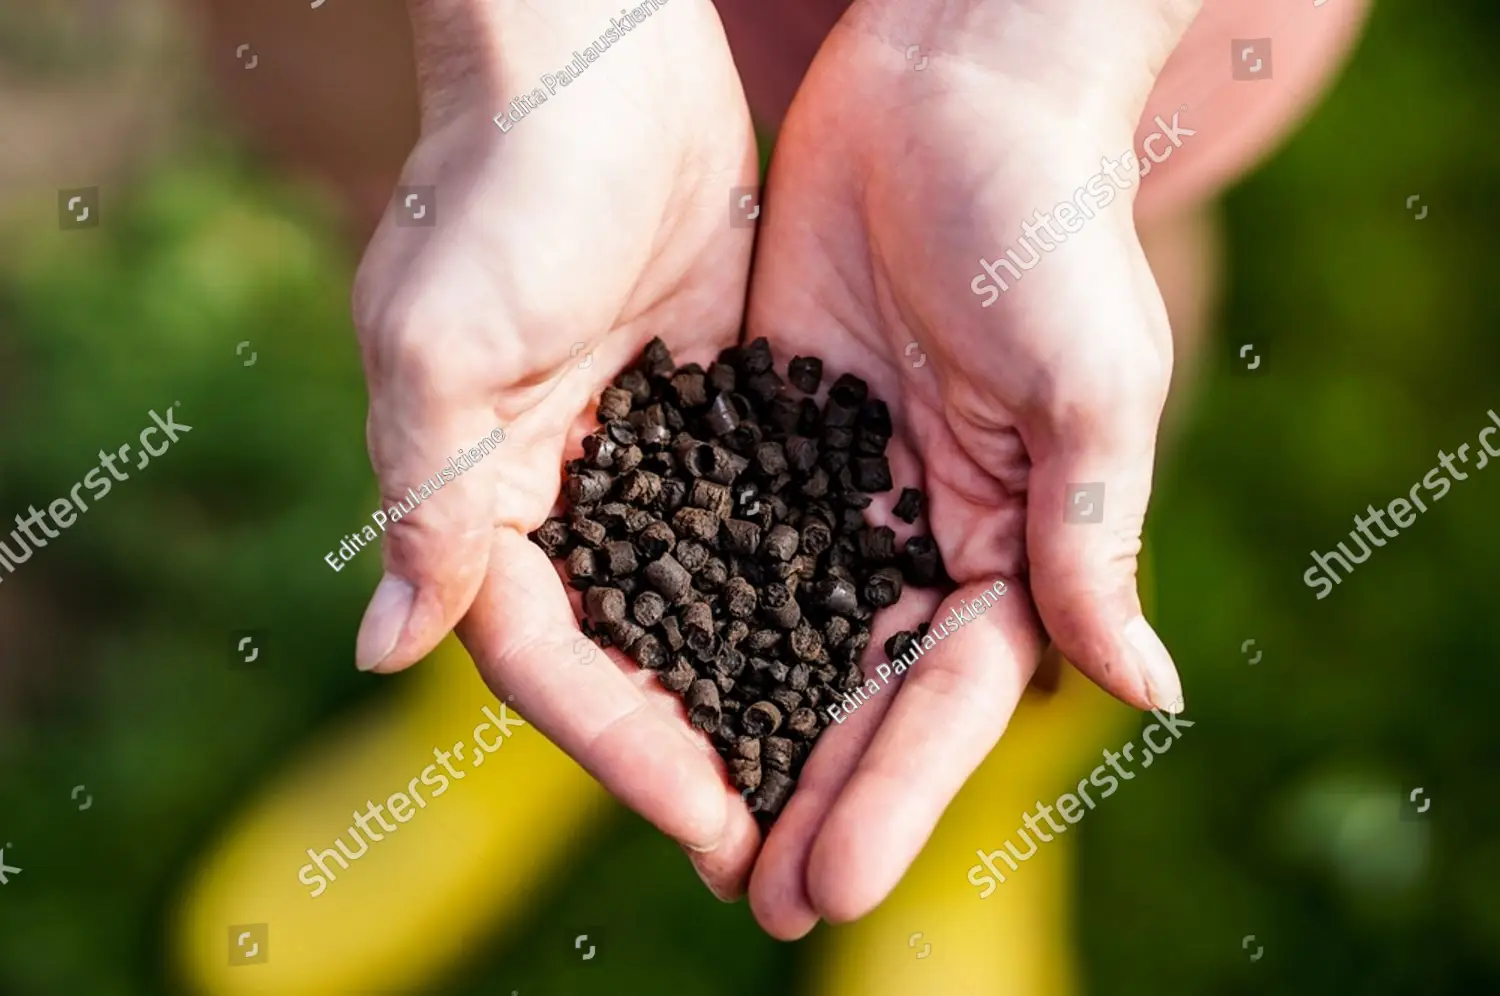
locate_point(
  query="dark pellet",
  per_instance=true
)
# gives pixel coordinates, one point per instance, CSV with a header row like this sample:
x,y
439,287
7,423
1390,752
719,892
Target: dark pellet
x,y
849,390
781,542
656,361
691,389
779,607
721,377
756,357
722,419
656,539
703,705
672,632
623,633
589,532
614,404
588,487
636,383
805,373
741,537
871,475
776,753
648,608
775,789
711,497
739,598
599,452
679,676
622,432
837,595
837,416
801,453
737,629
692,555
816,537
770,459
900,644
669,577
922,564
649,653
581,567
745,773
805,642
552,536
604,605
620,558
883,587
803,722
640,487
764,386
762,641
698,523
908,506
715,572
761,719
877,544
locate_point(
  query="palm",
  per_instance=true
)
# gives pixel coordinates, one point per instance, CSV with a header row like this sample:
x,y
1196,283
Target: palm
x,y
886,188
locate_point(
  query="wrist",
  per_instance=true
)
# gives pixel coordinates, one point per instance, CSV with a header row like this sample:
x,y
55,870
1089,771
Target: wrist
x,y
474,56
1084,58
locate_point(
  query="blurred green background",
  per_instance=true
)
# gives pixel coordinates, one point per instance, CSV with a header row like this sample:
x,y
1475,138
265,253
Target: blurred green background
x,y
1281,820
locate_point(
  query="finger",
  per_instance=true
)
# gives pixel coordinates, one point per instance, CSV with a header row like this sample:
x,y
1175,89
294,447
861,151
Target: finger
x,y
434,457
1093,447
952,708
778,886
522,633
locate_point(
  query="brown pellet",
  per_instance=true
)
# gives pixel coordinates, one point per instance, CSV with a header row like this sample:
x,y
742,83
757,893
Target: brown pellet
x,y
761,719
703,705
669,578
614,404
698,523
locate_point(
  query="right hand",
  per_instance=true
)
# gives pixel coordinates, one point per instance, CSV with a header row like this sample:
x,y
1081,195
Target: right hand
x,y
600,219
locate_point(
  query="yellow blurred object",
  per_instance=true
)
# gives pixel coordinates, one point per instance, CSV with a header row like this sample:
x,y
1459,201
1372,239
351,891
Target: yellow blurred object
x,y
1018,940
405,909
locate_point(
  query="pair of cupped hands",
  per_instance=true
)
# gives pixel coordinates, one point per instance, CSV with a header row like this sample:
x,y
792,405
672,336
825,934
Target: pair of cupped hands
x,y
603,218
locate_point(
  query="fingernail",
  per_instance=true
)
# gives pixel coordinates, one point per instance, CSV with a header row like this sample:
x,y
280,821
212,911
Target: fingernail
x,y
692,860
384,620
1163,686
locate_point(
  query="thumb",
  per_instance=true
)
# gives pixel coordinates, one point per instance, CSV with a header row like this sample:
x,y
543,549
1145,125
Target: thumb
x,y
1090,484
437,472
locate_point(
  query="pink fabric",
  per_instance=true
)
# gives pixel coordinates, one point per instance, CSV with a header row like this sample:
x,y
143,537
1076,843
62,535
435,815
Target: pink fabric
x,y
1237,123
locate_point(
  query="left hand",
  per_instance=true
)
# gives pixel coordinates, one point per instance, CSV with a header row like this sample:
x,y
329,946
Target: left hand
x,y
887,187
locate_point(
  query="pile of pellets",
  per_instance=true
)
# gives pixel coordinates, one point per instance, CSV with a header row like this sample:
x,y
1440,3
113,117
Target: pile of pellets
x,y
715,527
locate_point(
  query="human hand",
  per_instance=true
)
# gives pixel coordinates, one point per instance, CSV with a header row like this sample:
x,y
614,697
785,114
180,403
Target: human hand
x,y
887,186
600,219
